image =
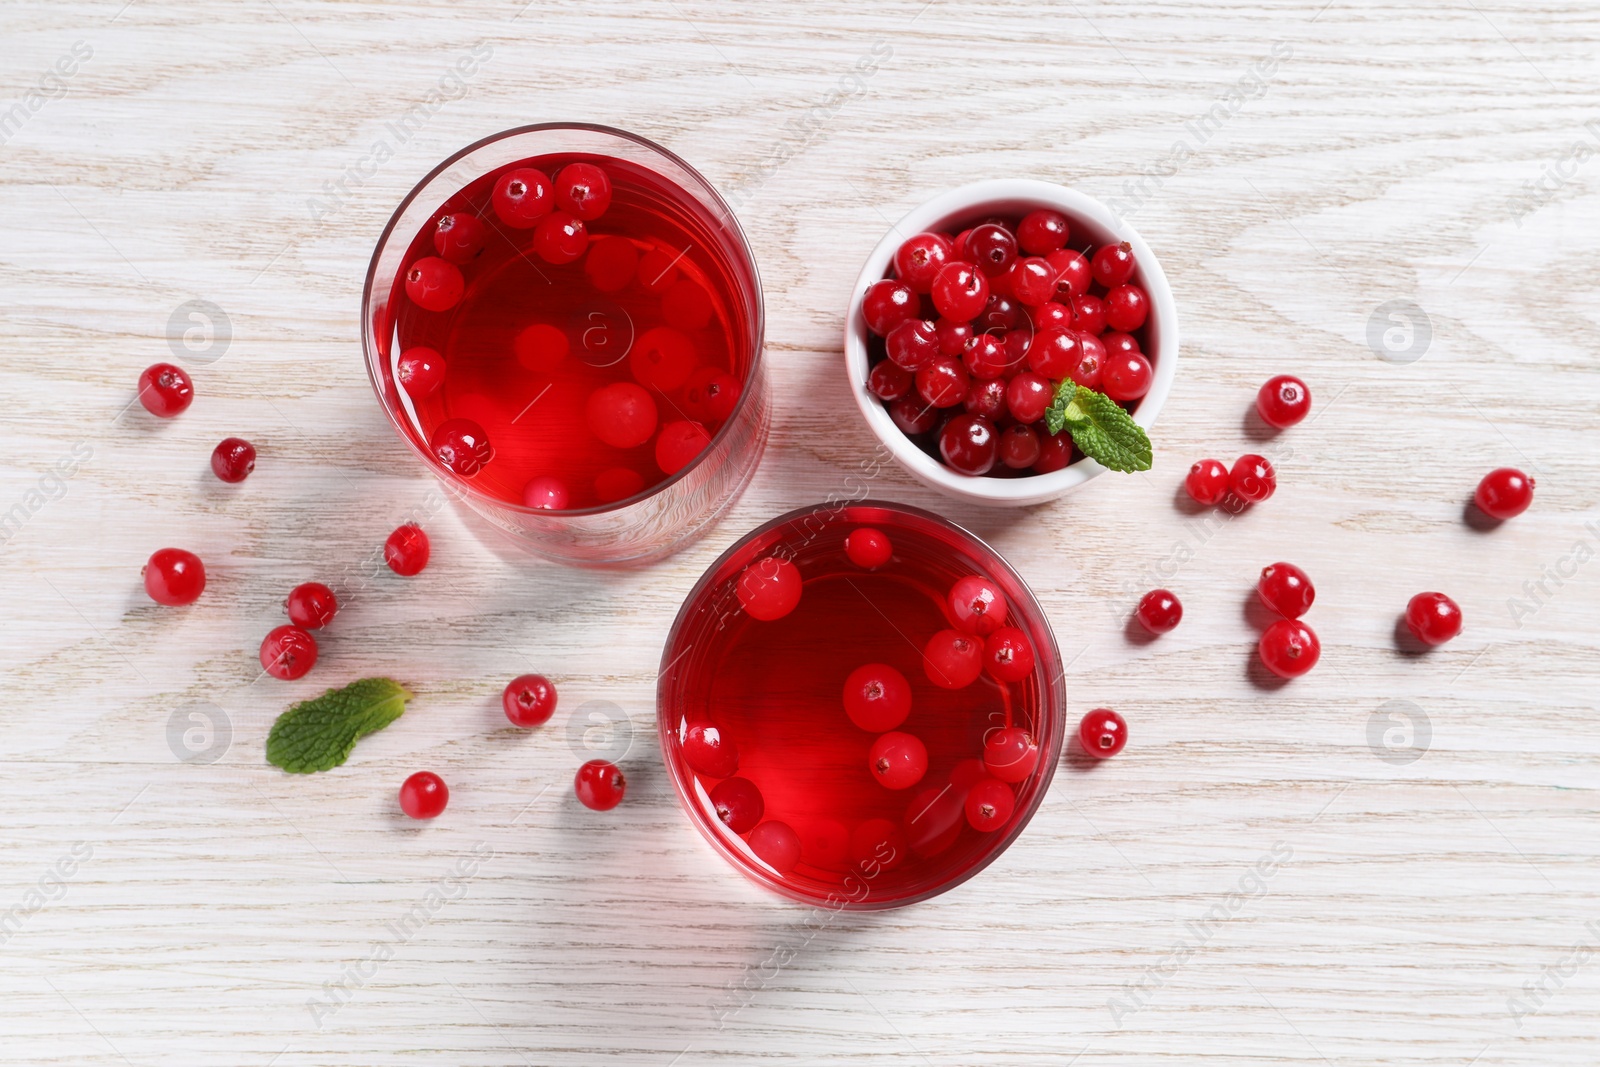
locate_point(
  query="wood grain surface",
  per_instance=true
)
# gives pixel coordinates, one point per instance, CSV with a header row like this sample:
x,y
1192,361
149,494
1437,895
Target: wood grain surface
x,y
1391,861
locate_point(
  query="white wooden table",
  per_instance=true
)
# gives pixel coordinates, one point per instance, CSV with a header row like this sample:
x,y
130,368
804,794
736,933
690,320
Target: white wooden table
x,y
1434,895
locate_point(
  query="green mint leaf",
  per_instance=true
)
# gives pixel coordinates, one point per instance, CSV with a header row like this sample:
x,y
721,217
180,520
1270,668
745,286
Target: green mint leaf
x,y
1099,427
317,735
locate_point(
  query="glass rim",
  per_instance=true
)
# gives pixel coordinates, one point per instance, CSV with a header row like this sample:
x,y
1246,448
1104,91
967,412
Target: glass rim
x,y
369,342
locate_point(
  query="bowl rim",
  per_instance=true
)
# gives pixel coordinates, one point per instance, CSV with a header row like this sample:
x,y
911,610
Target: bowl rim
x,y
965,199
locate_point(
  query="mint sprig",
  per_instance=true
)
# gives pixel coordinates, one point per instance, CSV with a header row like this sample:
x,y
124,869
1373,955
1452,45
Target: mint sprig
x,y
319,734
1099,427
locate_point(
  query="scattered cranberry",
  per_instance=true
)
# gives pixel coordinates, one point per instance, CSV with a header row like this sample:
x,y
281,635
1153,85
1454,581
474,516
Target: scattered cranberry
x,y
959,291
1286,589
969,444
233,459
1127,306
913,414
769,588
611,263
1010,753
977,606
600,785
174,577
1113,265
738,804
877,697
1055,452
1289,648
680,442
990,805
912,344
461,446
1028,397
621,414
897,760
1019,447
1283,401
435,284
1207,481
888,304
877,845
424,795
1042,231
1073,274
1160,611
560,238
311,605
1102,733
919,258
952,659
529,700
420,372
406,550
522,197
709,751
868,548
1433,618
288,652
943,383
1126,377
777,844
584,190
165,390
1504,493
546,494
459,237
1008,655
1252,478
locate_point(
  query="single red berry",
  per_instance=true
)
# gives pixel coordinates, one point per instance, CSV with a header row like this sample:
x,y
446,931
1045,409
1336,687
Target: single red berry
x,y
1033,280
1252,478
959,291
1117,343
955,338
1289,648
461,446
1127,307
288,652
1055,353
709,751
969,444
233,459
1113,265
1504,493
877,697
738,804
769,588
987,398
1102,733
943,382
424,795
546,493
600,785
1010,753
1019,446
1051,316
710,394
777,844
435,284
460,237
877,845
919,258
1160,611
1008,655
522,197
1042,231
1073,274
1433,618
990,805
1088,314
991,248
560,238
311,605
611,263
584,190
952,659
1207,481
1126,377
420,372
988,357
897,760
977,605
679,444
934,816
1089,367
887,304
1286,589
617,483
658,270
868,548
406,550
912,344
913,414
621,414
1055,452
174,577
1283,401
1028,396
165,390
529,700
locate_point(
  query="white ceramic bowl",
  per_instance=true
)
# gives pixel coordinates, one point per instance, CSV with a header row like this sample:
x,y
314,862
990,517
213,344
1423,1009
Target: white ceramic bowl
x,y
1092,224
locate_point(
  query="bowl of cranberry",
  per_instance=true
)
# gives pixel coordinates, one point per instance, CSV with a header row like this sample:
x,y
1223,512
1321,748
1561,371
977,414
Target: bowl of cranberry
x,y
1010,340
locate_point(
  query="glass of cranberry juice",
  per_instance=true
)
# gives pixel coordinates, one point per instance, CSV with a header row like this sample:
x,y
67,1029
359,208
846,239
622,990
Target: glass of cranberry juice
x,y
772,767
564,321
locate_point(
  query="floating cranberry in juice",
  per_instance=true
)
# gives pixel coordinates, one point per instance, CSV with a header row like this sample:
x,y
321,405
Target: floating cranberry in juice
x,y
845,735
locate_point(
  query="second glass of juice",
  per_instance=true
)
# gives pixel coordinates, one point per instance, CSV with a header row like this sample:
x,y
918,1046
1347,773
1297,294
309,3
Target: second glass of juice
x,y
565,322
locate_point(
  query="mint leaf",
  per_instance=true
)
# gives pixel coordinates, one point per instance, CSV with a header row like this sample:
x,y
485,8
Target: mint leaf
x,y
316,735
1099,427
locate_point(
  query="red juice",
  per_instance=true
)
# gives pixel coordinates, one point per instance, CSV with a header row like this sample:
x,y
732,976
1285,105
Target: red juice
x,y
773,690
